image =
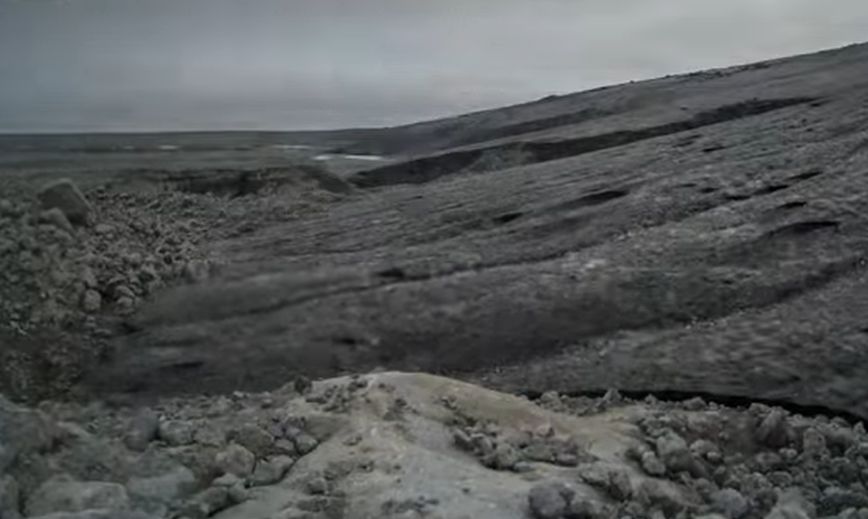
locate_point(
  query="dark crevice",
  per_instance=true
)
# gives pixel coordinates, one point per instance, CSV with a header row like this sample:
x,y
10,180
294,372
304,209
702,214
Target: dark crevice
x,y
394,273
803,228
773,188
807,175
592,199
429,168
791,205
508,217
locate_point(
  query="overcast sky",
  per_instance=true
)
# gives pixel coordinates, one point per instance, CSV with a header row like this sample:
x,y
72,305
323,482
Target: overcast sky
x,y
78,65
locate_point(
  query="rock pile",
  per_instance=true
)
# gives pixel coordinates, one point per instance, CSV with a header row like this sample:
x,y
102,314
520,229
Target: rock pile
x,y
392,445
69,261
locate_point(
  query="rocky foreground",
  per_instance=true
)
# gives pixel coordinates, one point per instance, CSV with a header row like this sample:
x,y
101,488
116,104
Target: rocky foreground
x,y
390,445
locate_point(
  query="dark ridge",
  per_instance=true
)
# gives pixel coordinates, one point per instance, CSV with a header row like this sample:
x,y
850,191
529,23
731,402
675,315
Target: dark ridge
x,y
767,190
600,197
534,125
508,217
803,228
186,365
394,273
808,174
734,401
233,183
426,169
792,205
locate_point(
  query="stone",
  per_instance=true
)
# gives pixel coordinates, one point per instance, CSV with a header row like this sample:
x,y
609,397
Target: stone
x,y
125,305
122,291
587,509
207,503
141,430
57,218
731,503
255,439
304,443
65,196
148,274
652,465
503,457
176,432
63,494
654,494
164,488
773,431
702,448
620,487
272,470
550,500
91,301
210,437
236,460
673,451
814,443
791,504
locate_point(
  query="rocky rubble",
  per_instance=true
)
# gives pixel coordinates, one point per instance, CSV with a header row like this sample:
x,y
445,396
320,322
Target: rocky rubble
x,y
69,263
75,263
409,445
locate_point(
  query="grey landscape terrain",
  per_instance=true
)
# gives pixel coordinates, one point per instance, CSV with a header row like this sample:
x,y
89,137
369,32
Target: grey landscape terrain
x,y
696,236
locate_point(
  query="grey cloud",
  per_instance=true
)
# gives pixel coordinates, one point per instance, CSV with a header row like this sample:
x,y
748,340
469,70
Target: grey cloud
x,y
285,64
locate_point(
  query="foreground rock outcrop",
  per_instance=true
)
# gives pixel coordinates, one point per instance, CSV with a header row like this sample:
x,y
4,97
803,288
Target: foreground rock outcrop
x,y
391,445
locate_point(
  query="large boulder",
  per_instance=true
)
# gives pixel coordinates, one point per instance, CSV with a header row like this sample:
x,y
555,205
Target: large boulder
x,y
65,195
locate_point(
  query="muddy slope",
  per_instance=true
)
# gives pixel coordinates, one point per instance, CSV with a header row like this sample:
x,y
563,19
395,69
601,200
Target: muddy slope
x,y
719,253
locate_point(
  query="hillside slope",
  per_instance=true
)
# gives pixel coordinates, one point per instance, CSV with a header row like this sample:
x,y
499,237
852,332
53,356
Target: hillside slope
x,y
701,234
